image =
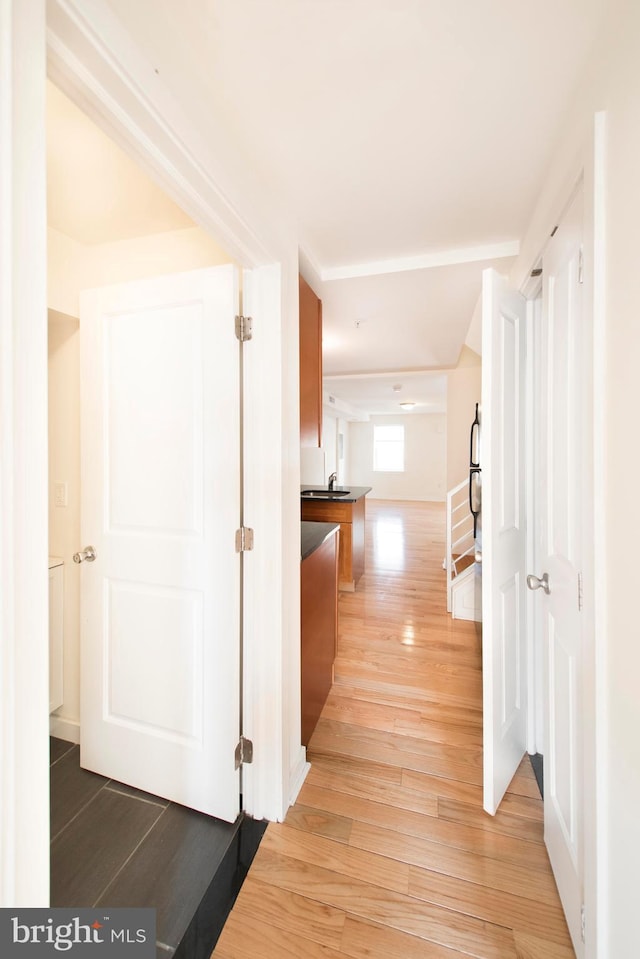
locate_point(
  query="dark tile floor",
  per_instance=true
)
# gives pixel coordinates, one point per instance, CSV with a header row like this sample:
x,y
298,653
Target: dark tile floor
x,y
112,845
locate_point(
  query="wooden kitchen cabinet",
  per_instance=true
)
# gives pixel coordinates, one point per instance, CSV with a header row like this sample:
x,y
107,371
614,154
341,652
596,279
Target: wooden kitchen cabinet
x,y
310,366
351,516
318,629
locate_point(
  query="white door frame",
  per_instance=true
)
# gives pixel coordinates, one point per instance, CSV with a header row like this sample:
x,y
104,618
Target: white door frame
x,y
24,619
91,58
535,673
591,171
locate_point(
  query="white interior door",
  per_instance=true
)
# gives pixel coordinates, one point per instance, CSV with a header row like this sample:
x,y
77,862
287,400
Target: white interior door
x,y
503,535
561,558
160,505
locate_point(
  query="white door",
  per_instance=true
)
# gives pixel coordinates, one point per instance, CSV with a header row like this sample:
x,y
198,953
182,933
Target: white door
x,y
503,535
160,505
561,557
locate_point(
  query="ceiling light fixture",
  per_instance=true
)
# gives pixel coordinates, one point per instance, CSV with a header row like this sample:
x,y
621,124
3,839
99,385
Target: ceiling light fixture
x,y
407,406
397,388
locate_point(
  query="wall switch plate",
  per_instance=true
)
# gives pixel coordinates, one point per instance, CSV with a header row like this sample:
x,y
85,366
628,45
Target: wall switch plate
x,y
61,494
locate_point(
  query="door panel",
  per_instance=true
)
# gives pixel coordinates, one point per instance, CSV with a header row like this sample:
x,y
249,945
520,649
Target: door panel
x,y
160,504
146,399
503,535
561,558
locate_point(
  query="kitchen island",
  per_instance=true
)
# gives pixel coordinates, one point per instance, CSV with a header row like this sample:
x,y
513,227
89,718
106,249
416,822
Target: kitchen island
x,y
318,619
344,505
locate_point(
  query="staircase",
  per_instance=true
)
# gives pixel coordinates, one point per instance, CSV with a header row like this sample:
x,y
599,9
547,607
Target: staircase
x,y
464,594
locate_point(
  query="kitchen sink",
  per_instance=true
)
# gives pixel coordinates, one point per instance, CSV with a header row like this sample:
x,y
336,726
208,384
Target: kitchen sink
x,y
325,493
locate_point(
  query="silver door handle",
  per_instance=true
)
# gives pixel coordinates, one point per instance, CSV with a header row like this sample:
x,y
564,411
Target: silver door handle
x,y
87,553
533,582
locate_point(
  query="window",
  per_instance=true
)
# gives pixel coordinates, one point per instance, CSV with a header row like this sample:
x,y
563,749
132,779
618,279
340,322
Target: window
x,y
388,449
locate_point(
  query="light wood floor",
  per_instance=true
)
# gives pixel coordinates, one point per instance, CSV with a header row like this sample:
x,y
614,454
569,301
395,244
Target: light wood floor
x,y
388,854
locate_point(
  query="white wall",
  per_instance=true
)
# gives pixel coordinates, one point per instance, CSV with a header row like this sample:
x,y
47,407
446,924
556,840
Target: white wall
x,y
612,650
425,472
73,267
474,333
463,392
330,442
64,522
343,448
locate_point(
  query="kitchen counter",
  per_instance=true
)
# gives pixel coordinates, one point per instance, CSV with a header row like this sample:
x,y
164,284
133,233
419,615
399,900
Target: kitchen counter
x,y
313,535
349,512
353,493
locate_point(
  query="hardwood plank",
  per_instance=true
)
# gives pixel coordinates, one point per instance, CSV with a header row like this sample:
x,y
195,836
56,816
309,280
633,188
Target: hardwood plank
x,y
441,663
420,727
522,786
446,787
393,794
332,736
405,913
502,822
526,806
369,940
530,947
448,690
499,907
405,702
261,940
289,911
362,713
456,774
525,768
376,772
509,877
338,857
482,842
429,643
319,822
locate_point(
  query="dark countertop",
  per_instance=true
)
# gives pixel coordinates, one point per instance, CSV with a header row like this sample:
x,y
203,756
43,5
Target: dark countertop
x,y
355,493
314,535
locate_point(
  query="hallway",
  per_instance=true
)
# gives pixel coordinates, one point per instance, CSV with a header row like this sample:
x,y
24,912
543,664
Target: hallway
x,y
387,852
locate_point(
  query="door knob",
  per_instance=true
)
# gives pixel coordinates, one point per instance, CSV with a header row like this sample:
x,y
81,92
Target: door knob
x,y
88,554
542,582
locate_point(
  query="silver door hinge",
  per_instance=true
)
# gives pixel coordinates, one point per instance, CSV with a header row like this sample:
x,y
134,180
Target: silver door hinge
x,y
580,593
583,923
580,266
244,328
244,752
244,539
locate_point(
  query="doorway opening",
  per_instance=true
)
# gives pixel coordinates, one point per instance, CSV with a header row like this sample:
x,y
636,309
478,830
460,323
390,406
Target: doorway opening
x,y
111,842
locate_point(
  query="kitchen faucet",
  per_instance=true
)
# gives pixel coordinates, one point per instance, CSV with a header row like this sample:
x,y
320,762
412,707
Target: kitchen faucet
x,y
332,481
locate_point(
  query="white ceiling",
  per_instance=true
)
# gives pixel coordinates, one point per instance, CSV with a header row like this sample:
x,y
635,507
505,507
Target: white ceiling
x,y
378,394
415,320
400,132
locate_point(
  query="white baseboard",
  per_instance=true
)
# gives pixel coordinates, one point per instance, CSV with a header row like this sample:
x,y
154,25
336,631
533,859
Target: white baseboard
x,y
298,775
67,729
